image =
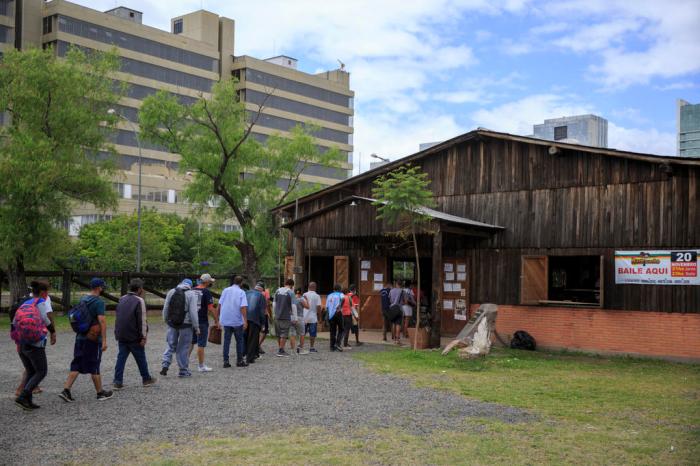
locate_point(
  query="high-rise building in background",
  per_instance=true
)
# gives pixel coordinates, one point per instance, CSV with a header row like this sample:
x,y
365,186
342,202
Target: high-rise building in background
x,y
688,125
589,130
197,52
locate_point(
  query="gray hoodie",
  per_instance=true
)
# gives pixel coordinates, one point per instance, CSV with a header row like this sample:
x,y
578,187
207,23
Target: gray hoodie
x,y
192,305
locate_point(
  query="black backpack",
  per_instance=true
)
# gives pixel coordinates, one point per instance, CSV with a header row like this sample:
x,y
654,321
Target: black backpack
x,y
523,340
177,308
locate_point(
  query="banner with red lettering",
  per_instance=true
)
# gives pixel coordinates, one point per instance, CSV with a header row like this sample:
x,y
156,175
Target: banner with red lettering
x,y
657,267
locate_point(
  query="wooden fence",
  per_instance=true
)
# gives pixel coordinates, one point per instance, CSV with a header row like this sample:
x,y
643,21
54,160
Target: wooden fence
x,y
69,278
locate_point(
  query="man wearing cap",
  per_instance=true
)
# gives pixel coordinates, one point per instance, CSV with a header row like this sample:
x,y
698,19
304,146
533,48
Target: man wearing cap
x,y
180,315
88,349
131,331
205,309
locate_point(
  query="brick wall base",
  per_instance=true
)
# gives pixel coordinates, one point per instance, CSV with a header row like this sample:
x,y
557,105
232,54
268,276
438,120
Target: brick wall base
x,y
650,334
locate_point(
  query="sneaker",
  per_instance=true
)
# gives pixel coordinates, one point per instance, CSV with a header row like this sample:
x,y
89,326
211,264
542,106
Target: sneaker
x,y
184,374
117,386
313,350
24,403
204,368
282,353
66,396
347,347
261,351
34,405
164,371
298,351
149,382
227,365
338,348
359,343
252,361
104,395
241,364
303,351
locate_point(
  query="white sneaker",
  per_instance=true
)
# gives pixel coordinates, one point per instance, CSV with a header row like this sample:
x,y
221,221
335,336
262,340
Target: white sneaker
x,y
204,368
303,351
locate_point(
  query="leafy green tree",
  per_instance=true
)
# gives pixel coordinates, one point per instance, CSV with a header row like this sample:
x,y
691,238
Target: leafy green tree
x,y
169,243
230,169
401,197
58,119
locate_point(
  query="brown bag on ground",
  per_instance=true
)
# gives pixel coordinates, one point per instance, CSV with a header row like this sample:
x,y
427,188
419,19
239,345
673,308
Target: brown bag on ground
x,y
215,335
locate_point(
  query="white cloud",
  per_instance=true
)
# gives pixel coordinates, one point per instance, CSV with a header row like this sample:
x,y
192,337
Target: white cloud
x,y
648,141
519,116
680,85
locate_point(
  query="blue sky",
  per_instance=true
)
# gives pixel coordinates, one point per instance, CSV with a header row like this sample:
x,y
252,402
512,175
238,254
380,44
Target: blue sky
x,y
428,70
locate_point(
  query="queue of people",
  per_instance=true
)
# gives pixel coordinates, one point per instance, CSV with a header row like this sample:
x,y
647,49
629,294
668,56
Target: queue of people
x,y
243,314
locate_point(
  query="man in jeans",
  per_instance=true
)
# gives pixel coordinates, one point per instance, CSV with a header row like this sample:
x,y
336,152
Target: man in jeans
x,y
311,314
131,330
284,298
179,300
335,318
233,309
257,306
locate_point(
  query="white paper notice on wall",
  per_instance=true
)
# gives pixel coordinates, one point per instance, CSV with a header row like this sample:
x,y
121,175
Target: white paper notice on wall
x,y
363,275
461,276
366,264
448,304
449,267
378,286
447,287
449,276
379,277
461,267
456,287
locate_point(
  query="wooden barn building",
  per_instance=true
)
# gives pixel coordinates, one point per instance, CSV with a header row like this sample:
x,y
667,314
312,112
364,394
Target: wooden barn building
x,y
530,225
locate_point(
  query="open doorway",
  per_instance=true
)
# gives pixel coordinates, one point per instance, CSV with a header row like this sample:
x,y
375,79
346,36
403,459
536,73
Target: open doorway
x,y
404,269
320,270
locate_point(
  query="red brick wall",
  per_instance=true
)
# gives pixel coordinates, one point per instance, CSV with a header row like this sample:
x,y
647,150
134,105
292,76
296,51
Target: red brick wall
x,y
670,335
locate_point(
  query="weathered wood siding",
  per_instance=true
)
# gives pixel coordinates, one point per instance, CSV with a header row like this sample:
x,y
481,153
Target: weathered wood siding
x,y
572,203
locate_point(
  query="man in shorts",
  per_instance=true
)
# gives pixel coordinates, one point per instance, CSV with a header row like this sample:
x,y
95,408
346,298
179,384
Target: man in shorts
x,y
311,315
88,349
396,300
206,309
284,298
299,305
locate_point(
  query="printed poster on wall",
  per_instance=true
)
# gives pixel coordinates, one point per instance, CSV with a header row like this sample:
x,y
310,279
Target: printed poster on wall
x,y
657,267
460,309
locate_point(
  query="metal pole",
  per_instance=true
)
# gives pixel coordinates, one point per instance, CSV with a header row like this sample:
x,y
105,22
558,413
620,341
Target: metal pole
x,y
138,208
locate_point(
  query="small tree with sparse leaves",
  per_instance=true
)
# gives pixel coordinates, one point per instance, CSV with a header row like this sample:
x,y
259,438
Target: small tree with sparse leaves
x,y
401,196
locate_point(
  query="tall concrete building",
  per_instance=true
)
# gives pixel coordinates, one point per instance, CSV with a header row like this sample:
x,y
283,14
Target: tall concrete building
x,y
688,125
589,130
197,52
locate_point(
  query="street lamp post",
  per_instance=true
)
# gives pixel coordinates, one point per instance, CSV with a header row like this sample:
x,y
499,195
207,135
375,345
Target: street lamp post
x,y
375,156
112,111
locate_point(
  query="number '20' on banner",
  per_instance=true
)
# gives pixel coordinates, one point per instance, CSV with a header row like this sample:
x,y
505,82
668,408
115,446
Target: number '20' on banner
x,y
676,267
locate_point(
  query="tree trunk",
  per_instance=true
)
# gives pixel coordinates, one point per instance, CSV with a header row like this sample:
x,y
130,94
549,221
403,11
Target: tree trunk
x,y
418,289
250,262
17,279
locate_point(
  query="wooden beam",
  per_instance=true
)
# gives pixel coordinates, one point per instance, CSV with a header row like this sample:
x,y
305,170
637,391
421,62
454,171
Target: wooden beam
x,y
299,256
437,290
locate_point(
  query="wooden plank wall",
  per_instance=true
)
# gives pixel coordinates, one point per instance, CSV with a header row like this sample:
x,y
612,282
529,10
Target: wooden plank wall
x,y
573,203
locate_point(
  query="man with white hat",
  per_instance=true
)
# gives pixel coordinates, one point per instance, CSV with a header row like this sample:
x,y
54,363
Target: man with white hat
x,y
180,314
206,308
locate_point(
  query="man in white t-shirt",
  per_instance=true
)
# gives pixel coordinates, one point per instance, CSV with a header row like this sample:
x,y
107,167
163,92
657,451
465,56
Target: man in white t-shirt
x,y
311,314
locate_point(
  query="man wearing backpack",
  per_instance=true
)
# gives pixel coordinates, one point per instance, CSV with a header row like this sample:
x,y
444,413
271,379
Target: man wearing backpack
x,y
90,344
131,331
29,327
180,314
335,318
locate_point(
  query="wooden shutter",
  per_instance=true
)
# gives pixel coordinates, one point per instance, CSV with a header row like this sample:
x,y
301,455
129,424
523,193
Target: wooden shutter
x,y
341,270
533,279
288,267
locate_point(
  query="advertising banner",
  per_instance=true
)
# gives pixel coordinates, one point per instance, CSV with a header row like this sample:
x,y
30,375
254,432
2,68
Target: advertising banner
x,y
657,267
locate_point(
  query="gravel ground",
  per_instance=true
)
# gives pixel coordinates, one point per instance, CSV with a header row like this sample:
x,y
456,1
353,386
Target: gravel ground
x,y
322,390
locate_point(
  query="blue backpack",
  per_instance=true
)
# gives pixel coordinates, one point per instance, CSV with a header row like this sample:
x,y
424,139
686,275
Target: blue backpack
x,y
80,317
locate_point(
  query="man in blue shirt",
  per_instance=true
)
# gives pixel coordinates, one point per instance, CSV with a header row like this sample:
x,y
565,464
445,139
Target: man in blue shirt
x,y
233,307
257,306
335,318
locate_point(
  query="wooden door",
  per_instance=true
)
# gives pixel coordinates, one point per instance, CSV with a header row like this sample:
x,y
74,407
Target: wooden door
x,y
370,299
341,270
534,279
455,279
